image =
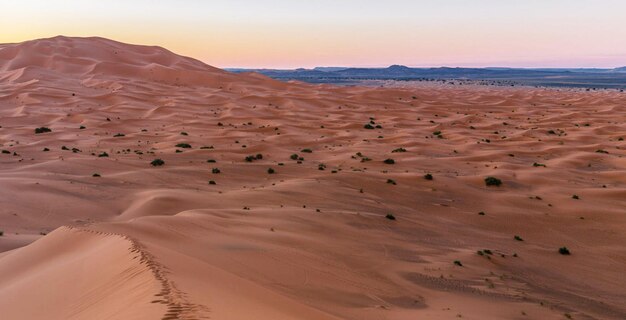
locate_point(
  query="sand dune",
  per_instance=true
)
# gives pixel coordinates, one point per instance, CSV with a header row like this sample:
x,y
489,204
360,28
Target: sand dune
x,y
93,231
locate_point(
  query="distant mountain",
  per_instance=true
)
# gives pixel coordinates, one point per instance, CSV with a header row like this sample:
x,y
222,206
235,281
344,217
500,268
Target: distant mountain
x,y
572,77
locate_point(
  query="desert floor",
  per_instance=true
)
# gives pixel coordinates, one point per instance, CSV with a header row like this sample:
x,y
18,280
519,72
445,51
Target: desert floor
x,y
212,234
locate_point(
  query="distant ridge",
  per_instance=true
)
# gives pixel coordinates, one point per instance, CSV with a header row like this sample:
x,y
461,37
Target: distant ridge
x,y
558,77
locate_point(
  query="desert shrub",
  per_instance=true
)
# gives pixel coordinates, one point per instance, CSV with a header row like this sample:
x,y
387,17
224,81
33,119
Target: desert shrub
x,y
211,161
1,233
389,161
428,176
96,175
250,158
42,130
482,213
119,135
369,126
103,154
157,162
183,145
491,181
518,238
390,216
215,171
398,150
271,171
294,157
321,166
6,151
46,149
601,151
64,148
306,150
576,197
391,181
259,156
206,147
458,263
564,251
184,133
538,164
82,127
212,182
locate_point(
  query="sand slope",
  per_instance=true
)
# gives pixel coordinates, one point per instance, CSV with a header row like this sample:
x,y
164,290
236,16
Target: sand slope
x,y
311,240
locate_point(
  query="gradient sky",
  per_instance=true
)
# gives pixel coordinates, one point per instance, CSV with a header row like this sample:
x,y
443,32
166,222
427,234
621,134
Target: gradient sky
x,y
287,34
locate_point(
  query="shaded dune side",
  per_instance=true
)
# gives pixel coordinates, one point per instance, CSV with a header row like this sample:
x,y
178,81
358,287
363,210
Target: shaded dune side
x,y
101,276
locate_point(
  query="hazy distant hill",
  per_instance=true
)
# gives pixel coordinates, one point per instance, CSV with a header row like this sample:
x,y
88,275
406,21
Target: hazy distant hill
x,y
574,77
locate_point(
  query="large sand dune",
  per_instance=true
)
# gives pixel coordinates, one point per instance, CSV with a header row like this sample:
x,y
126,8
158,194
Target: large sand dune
x,y
311,240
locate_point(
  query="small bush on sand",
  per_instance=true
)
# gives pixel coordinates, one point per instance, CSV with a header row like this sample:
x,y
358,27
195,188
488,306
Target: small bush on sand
x,y
306,150
157,162
428,176
42,130
458,263
215,171
389,161
271,171
518,238
391,181
183,145
398,150
96,175
103,155
390,216
212,182
369,127
564,251
491,181
575,197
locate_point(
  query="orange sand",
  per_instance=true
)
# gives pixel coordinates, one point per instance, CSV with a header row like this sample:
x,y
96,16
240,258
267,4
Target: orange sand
x,y
145,242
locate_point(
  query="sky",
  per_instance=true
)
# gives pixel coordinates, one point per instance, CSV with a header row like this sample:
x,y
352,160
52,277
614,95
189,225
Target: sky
x,y
366,33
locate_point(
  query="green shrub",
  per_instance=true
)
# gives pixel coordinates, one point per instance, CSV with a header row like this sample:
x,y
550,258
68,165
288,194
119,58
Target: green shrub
x,y
564,251
103,154
398,150
294,157
576,197
390,216
491,181
428,176
183,145
157,162
518,238
42,130
458,263
306,150
215,171
368,126
389,161
119,135
271,171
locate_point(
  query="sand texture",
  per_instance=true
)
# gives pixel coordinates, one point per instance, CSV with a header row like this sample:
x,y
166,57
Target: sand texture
x,y
212,234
